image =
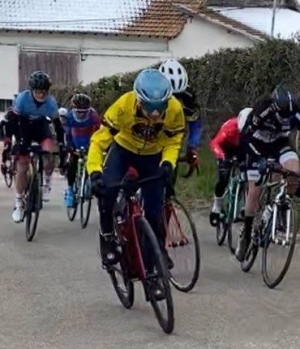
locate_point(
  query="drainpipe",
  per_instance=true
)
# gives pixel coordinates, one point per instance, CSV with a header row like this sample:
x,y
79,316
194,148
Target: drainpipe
x,y
273,17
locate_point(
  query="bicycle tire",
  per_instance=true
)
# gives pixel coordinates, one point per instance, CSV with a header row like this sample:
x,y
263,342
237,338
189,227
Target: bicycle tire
x,y
88,200
250,258
72,211
8,179
146,233
33,205
126,300
195,274
221,232
272,284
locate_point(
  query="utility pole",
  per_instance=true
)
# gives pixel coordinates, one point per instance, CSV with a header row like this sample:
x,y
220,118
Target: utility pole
x,y
273,17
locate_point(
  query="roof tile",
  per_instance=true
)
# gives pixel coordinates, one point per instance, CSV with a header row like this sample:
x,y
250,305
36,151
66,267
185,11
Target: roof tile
x,y
129,17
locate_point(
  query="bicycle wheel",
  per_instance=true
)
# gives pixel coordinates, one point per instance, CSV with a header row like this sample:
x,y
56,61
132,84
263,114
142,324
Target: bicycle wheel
x,y
71,211
221,230
233,228
85,201
251,255
157,277
182,242
273,276
32,206
121,282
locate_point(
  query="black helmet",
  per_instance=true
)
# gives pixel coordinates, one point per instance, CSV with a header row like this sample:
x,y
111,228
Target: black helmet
x,y
81,101
39,80
284,101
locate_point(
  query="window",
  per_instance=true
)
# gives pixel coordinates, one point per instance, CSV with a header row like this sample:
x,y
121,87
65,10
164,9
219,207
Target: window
x,y
4,104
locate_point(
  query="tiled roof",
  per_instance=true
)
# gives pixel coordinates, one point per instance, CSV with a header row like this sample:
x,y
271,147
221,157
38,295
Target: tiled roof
x,y
157,18
200,9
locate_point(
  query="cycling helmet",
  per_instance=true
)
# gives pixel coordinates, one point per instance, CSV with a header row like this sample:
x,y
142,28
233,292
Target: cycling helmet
x,y
81,101
176,74
242,117
81,106
153,90
39,80
284,101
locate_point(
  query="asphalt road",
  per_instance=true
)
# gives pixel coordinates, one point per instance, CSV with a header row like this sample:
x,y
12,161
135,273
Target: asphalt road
x,y
53,294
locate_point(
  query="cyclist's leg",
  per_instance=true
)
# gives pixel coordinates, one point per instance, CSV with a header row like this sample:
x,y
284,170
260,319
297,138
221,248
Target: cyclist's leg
x,y
115,167
252,200
42,135
71,177
22,164
153,195
223,179
289,159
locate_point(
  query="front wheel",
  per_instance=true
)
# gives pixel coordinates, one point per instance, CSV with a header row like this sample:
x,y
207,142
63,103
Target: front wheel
x,y
85,201
33,202
157,276
276,264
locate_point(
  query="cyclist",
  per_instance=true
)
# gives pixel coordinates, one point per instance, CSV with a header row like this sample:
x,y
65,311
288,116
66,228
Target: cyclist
x,y
80,123
144,128
177,75
6,135
225,145
28,121
266,134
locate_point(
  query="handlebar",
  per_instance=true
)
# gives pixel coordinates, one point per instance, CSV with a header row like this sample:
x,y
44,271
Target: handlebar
x,y
269,167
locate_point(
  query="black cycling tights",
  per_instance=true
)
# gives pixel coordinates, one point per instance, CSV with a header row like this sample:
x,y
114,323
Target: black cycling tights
x,y
223,173
72,169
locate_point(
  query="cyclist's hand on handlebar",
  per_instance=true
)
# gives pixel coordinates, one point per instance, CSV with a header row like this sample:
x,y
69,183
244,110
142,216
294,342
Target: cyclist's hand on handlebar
x,y
98,187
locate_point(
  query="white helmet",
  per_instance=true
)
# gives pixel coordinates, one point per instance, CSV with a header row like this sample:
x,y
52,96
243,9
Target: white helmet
x,y
176,74
242,117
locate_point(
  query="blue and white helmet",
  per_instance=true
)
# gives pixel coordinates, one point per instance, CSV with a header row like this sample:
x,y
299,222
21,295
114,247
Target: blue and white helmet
x,y
153,90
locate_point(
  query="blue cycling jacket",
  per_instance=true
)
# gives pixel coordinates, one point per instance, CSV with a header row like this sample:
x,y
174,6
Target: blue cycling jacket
x,y
26,106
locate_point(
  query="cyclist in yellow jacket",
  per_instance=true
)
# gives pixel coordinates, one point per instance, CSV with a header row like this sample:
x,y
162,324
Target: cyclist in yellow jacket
x,y
143,129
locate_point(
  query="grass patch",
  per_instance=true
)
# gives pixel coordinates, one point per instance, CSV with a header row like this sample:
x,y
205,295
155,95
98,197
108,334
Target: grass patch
x,y
198,189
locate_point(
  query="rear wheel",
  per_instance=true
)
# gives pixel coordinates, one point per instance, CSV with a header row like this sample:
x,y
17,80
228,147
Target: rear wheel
x,y
157,276
33,201
121,282
71,211
251,255
182,244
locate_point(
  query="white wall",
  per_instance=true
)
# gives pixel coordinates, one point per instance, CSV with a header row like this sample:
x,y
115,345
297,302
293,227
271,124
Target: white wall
x,y
107,55
200,37
102,55
9,69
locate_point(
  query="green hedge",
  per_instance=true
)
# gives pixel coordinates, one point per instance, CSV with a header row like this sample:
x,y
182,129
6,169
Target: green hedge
x,y
224,81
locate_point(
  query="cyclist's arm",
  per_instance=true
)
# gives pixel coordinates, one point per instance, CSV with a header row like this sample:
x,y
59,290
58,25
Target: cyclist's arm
x,y
257,117
172,139
216,144
102,139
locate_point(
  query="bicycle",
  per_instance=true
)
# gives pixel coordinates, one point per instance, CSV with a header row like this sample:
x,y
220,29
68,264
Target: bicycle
x,y
233,205
33,197
81,190
275,224
140,256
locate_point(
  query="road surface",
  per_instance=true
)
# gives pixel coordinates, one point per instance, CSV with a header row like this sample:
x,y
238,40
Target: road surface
x,y
53,294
